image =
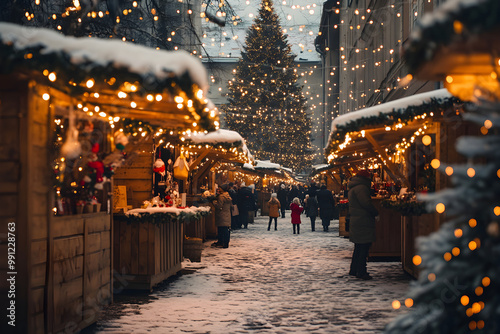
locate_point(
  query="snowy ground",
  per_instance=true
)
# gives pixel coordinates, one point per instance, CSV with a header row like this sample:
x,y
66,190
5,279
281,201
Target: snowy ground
x,y
266,282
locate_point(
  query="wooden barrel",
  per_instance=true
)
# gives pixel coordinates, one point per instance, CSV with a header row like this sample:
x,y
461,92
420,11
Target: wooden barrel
x,y
192,249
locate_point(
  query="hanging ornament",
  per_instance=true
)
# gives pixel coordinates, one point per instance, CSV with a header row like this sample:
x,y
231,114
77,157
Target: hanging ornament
x,y
121,140
159,167
71,148
181,169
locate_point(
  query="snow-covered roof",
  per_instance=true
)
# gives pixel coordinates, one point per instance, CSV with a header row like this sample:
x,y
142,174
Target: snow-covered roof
x,y
217,137
299,20
248,166
449,23
399,105
401,110
92,55
266,164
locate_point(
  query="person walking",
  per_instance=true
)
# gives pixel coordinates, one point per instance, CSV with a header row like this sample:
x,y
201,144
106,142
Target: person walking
x,y
233,192
363,215
311,208
296,209
222,206
326,204
274,211
246,203
282,197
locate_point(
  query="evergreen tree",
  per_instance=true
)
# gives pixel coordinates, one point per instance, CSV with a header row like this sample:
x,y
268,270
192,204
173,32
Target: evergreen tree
x,y
458,287
266,104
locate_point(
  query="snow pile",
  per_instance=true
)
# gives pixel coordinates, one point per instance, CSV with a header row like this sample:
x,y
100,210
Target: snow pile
x,y
88,53
266,164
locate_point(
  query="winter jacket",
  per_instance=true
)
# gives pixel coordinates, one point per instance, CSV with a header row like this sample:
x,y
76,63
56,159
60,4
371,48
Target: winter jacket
x,y
294,192
222,209
361,210
282,197
312,207
326,204
246,200
274,207
296,211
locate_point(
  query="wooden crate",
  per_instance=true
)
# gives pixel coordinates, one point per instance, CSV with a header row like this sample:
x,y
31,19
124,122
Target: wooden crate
x,y
263,198
145,254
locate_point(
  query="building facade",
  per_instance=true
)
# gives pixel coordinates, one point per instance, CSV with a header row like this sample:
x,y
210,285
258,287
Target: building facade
x,y
360,41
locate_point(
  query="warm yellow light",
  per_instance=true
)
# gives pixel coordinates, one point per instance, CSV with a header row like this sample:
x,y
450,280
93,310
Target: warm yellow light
x,y
455,251
496,210
472,223
464,300
133,104
458,232
480,324
447,256
440,208
178,99
426,140
472,245
52,77
476,308
488,124
159,97
479,291
435,163
431,277
46,96
485,281
449,170
90,83
417,260
471,172
396,304
150,97
449,79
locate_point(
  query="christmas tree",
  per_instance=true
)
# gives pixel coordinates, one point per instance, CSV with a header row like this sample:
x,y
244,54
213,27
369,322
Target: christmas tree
x,y
458,287
266,104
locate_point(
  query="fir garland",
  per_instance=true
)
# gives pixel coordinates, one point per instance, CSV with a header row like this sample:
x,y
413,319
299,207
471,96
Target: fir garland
x,y
162,217
406,208
481,17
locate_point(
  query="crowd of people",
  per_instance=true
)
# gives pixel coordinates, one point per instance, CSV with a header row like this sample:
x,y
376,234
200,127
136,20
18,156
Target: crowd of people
x,y
236,207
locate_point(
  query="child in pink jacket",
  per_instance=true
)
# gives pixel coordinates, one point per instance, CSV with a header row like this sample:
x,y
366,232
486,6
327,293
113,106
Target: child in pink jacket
x,y
296,211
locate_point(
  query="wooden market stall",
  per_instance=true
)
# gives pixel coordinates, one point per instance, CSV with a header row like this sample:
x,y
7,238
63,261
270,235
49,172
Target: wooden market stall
x,y
62,101
209,153
465,57
403,140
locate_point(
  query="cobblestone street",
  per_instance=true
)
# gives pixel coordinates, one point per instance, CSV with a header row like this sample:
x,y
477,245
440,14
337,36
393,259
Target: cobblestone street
x,y
266,282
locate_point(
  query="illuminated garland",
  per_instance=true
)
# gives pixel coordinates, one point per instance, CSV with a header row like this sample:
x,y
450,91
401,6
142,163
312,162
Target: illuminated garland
x,y
403,116
452,25
406,208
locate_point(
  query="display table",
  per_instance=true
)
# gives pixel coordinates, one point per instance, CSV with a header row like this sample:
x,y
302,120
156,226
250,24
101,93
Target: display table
x,y
148,244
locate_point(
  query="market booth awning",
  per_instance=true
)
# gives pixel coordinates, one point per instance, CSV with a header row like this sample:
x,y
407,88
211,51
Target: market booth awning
x,y
110,78
367,134
459,45
212,149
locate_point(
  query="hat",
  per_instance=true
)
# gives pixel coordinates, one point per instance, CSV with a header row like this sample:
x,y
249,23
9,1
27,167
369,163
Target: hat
x,y
282,186
364,173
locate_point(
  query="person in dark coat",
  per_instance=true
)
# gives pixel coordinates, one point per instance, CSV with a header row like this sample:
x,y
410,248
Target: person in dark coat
x,y
311,208
233,192
363,215
282,197
326,204
246,203
294,192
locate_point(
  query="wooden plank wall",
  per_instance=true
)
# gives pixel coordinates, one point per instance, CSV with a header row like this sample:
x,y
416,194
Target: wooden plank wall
x,y
81,269
13,97
137,174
